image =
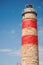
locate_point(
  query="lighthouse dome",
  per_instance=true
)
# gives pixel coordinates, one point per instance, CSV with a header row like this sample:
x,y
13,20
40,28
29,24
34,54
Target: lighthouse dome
x,y
29,9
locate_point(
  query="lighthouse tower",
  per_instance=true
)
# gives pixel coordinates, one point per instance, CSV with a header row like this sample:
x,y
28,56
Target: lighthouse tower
x,y
29,36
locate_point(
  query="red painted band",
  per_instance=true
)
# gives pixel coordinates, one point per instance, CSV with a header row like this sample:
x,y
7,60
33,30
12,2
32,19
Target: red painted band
x,y
30,39
31,23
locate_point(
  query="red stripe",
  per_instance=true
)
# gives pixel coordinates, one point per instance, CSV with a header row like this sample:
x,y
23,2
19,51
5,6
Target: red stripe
x,y
31,23
30,39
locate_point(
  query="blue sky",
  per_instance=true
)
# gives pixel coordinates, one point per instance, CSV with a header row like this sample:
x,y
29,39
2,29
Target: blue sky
x,y
10,29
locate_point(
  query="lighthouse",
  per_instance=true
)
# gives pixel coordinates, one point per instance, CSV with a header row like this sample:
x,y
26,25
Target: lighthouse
x,y
29,55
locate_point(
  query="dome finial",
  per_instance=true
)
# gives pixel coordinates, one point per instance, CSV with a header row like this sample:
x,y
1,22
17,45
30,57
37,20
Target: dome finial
x,y
29,6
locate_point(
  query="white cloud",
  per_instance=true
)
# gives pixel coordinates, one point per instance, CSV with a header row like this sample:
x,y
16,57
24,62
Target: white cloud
x,y
5,50
41,63
10,52
40,35
41,30
8,32
41,55
12,31
14,53
41,48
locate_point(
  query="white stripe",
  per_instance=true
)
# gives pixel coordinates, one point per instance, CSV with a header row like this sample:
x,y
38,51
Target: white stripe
x,y
29,15
29,31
